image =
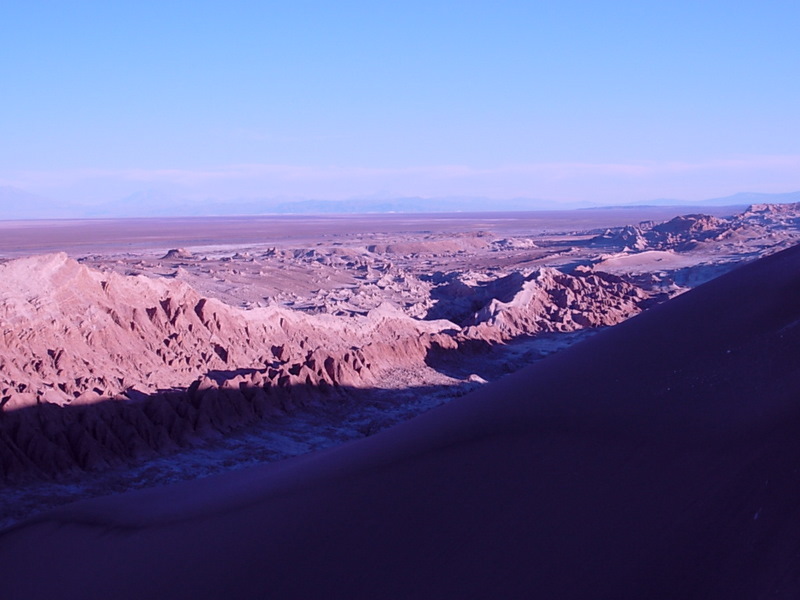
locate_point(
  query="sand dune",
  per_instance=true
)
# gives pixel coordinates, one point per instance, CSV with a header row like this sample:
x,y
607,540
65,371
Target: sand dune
x,y
657,459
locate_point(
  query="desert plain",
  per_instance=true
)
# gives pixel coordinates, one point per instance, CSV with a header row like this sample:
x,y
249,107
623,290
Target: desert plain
x,y
192,359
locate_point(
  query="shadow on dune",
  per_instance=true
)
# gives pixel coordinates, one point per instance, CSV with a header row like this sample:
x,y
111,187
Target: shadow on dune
x,y
490,360
50,442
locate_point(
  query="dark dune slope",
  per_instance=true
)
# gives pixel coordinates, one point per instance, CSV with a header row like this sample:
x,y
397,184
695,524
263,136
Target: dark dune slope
x,y
658,459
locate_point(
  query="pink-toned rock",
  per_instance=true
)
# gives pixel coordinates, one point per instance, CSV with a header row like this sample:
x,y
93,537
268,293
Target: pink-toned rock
x,y
102,345
549,300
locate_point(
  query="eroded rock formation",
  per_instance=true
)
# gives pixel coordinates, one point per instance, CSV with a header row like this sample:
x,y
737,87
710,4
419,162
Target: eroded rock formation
x,y
548,300
98,367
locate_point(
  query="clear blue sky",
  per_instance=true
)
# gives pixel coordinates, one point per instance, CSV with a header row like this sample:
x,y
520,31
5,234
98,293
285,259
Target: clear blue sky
x,y
593,101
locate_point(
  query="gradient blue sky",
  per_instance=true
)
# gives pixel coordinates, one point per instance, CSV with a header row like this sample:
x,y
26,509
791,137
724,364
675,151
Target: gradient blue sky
x,y
600,102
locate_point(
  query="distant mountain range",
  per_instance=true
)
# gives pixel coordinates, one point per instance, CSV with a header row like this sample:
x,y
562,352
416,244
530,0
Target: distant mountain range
x,y
755,198
741,199
20,204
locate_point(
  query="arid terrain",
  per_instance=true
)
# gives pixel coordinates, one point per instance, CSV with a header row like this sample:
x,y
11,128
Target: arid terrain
x,y
578,451
142,352
137,353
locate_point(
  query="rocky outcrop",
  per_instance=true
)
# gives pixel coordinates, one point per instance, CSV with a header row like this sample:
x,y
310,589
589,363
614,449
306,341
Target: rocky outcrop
x,y
73,335
684,231
177,253
681,233
532,301
155,353
773,214
629,237
549,300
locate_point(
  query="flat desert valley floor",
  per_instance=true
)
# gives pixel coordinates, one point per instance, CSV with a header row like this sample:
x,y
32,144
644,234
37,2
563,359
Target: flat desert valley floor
x,y
143,352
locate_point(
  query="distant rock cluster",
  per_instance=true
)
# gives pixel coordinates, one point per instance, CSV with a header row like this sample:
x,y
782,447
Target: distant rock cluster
x,y
681,233
688,232
548,300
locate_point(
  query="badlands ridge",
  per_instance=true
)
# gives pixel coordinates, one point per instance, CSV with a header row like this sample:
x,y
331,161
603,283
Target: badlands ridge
x,y
158,363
